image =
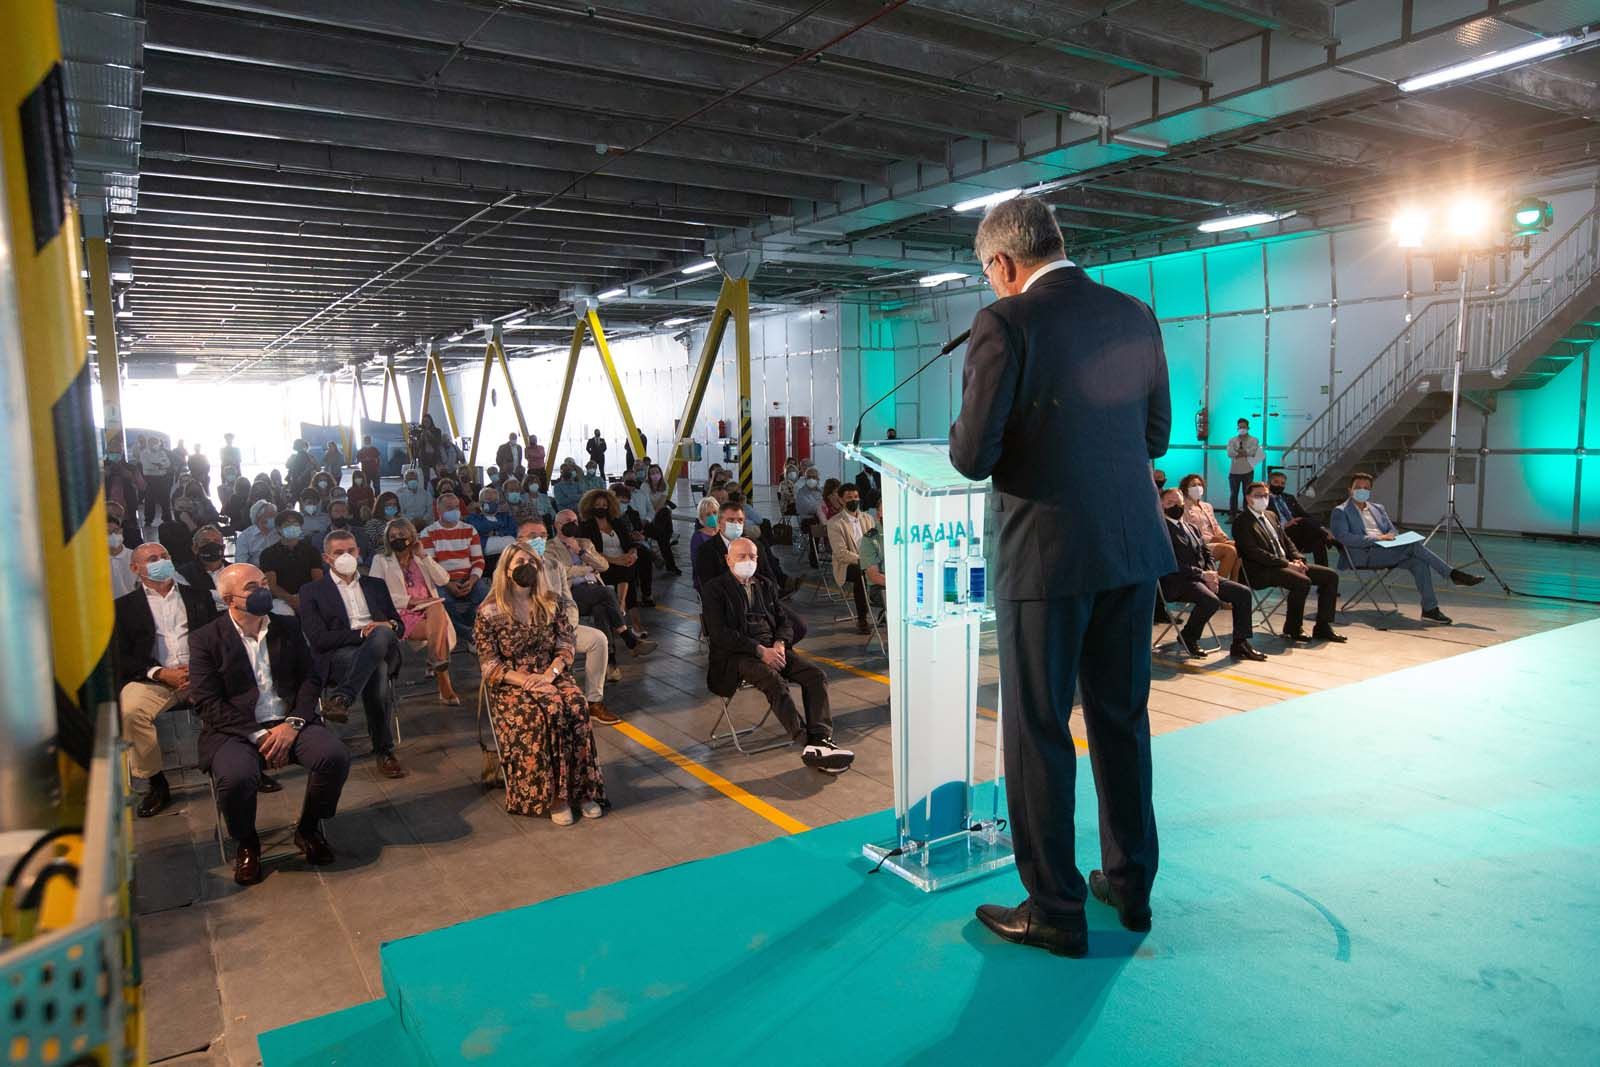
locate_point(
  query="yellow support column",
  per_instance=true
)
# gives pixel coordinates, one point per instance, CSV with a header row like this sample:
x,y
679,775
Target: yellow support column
x,y
741,341
733,304
604,348
566,395
511,386
435,372
98,257
390,381
68,497
483,396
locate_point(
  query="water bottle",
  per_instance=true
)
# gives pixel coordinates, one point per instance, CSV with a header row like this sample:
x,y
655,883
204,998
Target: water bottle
x,y
977,589
924,605
955,592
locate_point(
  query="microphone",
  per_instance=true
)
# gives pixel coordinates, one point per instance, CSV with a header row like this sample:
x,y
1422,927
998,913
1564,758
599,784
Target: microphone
x,y
955,342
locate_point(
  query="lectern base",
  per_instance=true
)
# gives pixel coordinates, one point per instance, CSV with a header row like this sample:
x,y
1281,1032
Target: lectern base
x,y
948,861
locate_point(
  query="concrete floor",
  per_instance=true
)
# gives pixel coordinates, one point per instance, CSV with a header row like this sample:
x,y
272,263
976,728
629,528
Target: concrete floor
x,y
221,964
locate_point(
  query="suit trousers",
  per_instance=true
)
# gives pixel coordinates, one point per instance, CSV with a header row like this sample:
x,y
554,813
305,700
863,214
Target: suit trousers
x,y
1299,587
366,671
817,723
140,703
590,645
599,601
1206,603
237,767
1098,643
1311,539
1419,561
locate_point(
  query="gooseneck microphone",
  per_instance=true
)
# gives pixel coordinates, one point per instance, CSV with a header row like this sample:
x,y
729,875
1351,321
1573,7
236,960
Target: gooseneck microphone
x,y
955,342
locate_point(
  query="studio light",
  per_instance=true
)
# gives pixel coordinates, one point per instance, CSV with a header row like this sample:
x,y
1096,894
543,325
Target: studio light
x,y
701,267
1410,228
611,294
930,280
1239,222
1530,216
1468,218
986,201
1493,61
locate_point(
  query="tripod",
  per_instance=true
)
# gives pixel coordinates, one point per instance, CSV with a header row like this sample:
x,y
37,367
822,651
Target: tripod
x,y
1450,522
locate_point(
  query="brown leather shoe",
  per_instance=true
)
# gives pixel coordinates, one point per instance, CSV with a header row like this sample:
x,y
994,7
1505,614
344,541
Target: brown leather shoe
x,y
247,864
314,846
598,712
389,766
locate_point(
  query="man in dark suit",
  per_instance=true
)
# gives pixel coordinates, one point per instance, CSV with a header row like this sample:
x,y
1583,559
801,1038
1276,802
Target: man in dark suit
x,y
354,633
152,629
1303,529
1270,559
1064,404
252,679
752,640
712,559
1197,582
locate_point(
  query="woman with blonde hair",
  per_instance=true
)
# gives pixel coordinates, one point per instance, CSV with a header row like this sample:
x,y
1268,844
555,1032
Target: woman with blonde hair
x,y
526,646
602,523
413,579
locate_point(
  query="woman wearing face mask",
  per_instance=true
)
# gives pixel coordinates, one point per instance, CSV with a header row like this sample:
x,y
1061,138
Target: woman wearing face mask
x,y
416,500
360,492
526,646
601,523
1200,515
660,508
260,534
413,579
385,509
177,534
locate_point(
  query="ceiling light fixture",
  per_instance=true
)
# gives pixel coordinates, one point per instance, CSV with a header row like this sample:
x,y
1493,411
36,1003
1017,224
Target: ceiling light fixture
x,y
611,294
701,267
986,201
1493,61
1239,222
681,321
930,280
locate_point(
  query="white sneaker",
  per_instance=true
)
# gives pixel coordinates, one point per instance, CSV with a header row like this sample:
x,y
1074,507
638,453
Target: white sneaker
x,y
592,809
827,757
562,816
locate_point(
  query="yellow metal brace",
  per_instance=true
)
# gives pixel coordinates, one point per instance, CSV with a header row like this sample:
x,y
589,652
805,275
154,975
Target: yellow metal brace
x,y
392,382
604,348
495,354
552,450
589,324
733,304
435,371
105,334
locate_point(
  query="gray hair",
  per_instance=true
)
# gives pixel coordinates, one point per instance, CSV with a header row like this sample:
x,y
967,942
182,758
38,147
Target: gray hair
x,y
1023,228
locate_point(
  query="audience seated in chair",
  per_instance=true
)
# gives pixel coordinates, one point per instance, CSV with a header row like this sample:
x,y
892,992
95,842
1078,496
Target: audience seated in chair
x,y
1308,535
585,567
261,534
845,531
413,579
1203,520
710,559
1363,527
630,567
752,640
209,552
590,643
354,632
1197,582
123,580
253,682
455,546
290,563
1271,560
152,628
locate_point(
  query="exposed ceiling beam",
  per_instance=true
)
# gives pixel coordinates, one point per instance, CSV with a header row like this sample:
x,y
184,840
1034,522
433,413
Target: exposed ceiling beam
x,y
1310,20
1546,89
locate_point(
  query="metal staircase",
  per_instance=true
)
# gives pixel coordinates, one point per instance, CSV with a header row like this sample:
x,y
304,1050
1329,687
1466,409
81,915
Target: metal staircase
x,y
1518,337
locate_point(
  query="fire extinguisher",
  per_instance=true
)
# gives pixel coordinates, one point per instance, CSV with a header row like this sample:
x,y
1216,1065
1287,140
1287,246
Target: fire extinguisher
x,y
1202,425
722,427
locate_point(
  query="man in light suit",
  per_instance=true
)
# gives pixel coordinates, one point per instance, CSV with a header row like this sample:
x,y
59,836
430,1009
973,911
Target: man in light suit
x,y
1064,404
1362,526
845,531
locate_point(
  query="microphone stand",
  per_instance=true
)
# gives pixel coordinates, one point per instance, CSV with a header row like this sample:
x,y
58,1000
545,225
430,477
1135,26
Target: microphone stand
x,y
954,343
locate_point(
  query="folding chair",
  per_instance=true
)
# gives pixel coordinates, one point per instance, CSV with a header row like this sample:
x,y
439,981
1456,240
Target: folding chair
x,y
1178,612
484,712
875,609
734,733
1370,579
1266,603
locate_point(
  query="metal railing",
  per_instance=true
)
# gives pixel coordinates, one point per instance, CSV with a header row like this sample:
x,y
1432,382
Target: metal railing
x,y
1498,323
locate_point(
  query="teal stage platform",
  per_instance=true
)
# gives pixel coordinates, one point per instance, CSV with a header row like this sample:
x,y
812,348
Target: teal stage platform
x,y
1405,870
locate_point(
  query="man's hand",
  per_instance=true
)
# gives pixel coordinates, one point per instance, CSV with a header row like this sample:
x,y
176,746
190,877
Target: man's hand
x,y
371,626
276,744
629,557
1298,565
772,657
1210,579
293,601
176,677
1386,536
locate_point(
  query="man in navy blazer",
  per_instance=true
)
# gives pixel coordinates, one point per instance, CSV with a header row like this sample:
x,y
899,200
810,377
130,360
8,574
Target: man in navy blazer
x,y
252,680
1064,404
1363,527
354,632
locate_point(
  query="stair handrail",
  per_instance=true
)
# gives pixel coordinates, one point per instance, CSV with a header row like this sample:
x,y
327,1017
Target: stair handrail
x,y
1498,321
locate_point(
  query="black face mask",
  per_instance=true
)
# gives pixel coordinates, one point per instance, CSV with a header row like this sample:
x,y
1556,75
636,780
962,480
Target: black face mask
x,y
398,544
852,505
569,530
1161,487
1275,490
1174,511
341,523
524,575
209,553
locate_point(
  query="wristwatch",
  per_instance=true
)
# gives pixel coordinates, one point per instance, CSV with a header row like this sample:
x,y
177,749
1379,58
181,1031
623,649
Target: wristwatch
x,y
297,722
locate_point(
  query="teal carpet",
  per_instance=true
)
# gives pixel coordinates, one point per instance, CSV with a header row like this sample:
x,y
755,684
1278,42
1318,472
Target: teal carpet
x,y
1402,870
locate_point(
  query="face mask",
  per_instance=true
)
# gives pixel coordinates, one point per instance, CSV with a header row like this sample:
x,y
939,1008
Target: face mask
x,y
733,530
535,545
1174,511
113,457
412,484
1275,490
1244,431
602,509
259,602
744,569
811,483
1258,504
624,501
398,544
1362,495
341,522
515,498
711,522
308,509
1161,487
290,533
344,565
452,515
852,505
209,553
323,487
490,507
114,540
569,530
524,575
1196,492
390,511
159,570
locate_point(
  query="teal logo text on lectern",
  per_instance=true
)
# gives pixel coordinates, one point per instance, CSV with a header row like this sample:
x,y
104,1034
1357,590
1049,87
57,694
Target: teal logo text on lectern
x,y
915,534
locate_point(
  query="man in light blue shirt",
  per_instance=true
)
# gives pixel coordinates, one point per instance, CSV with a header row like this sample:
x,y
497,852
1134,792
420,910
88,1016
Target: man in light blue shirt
x,y
416,499
1364,528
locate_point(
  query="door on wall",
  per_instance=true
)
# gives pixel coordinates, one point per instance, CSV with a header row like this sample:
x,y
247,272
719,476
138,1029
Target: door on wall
x,y
777,447
800,431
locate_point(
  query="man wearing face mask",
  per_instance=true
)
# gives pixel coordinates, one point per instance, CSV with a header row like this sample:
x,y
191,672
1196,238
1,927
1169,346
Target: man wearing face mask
x,y
1197,582
455,546
1308,535
584,565
255,686
260,535
1244,456
711,561
1363,526
201,572
314,521
416,500
590,643
152,628
845,531
1270,559
290,563
123,580
354,633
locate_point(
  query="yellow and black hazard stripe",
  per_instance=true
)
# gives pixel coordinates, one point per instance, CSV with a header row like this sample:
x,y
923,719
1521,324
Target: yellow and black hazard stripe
x,y
747,483
43,228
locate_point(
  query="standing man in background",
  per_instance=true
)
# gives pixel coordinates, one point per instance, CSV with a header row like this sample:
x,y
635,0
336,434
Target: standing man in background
x,y
1244,455
371,461
1064,404
596,447
155,462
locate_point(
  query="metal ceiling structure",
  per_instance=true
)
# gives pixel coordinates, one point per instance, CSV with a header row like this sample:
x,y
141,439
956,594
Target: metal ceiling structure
x,y
325,182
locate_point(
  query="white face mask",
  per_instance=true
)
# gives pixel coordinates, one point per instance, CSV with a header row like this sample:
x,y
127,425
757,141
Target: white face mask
x,y
1196,492
733,530
345,565
1258,504
744,569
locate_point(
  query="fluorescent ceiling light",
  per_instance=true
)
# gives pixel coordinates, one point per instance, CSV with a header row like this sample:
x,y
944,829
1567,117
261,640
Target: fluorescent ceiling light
x,y
1493,61
930,280
453,338
678,321
1239,222
986,201
612,294
1139,140
701,267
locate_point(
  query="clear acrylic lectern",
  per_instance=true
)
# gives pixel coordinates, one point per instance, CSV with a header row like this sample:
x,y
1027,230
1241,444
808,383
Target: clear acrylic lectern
x,y
938,599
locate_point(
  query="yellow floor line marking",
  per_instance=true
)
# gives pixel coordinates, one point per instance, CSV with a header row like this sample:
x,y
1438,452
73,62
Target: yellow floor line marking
x,y
739,795
1247,680
679,614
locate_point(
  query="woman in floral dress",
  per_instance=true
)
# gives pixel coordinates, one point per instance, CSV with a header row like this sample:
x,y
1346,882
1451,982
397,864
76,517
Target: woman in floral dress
x,y
539,714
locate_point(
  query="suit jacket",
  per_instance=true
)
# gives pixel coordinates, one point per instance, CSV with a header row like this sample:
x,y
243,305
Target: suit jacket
x,y
327,623
711,561
725,612
222,684
1261,564
198,577
135,629
1064,403
1347,528
846,547
1193,558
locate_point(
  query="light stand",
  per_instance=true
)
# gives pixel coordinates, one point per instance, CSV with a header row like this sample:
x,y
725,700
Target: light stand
x,y
1451,522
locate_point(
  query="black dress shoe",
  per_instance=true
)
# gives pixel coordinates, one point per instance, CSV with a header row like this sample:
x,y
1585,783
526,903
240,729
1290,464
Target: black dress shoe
x,y
156,799
1325,633
269,784
314,846
1192,647
1132,918
1244,650
1461,577
1435,615
389,766
1022,926
247,864
1296,637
